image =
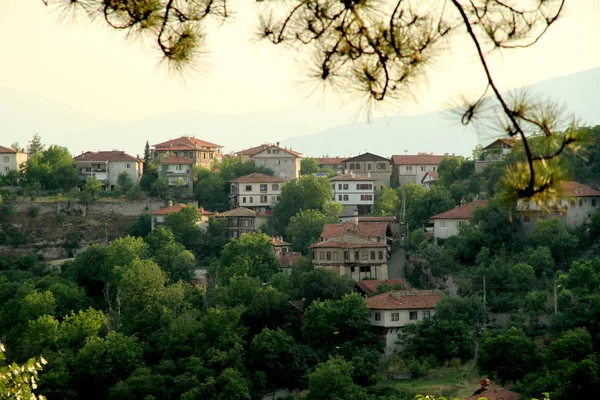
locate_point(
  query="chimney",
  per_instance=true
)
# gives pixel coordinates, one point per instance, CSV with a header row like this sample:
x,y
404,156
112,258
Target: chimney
x,y
277,143
463,201
170,203
200,209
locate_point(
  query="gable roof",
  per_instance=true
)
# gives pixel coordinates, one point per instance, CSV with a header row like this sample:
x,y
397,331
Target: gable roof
x,y
348,241
252,150
576,189
364,230
177,160
185,143
506,141
287,260
370,285
418,159
377,219
278,241
494,393
330,160
178,207
257,178
405,300
284,149
462,212
106,156
7,150
367,157
351,177
433,175
238,212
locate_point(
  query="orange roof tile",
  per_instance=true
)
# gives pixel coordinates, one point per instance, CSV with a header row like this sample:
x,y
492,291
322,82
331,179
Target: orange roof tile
x,y
238,212
330,160
363,230
7,150
491,393
418,159
506,141
348,241
431,174
177,160
573,188
405,300
168,210
252,150
185,143
278,241
257,178
462,212
106,156
369,286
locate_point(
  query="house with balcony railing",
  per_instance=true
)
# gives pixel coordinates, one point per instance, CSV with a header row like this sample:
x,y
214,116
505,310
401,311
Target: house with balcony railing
x,y
179,172
258,192
106,166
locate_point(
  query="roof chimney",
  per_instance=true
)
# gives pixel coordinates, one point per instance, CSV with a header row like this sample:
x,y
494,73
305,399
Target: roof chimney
x,y
170,203
277,143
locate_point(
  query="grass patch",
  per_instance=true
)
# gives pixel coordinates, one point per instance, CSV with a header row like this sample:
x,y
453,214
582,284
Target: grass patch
x,y
445,381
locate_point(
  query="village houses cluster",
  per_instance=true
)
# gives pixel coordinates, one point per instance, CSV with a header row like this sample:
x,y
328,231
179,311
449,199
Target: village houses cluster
x,y
359,245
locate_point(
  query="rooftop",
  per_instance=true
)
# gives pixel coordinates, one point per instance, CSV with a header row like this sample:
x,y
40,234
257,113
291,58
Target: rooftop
x,y
363,230
370,286
257,178
330,160
506,141
6,150
351,177
287,260
278,241
433,176
252,150
276,146
418,159
178,207
185,143
405,300
573,188
106,156
238,212
348,241
494,393
177,160
462,212
367,157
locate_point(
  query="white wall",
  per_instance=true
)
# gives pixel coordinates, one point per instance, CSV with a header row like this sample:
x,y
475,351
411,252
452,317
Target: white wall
x,y
11,162
285,165
444,228
255,197
413,173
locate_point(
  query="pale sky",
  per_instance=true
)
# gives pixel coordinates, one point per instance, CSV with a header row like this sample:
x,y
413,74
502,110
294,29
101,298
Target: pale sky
x,y
91,68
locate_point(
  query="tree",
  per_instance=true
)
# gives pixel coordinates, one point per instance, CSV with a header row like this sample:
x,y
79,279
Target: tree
x,y
35,145
125,182
422,205
251,254
387,202
91,190
305,227
323,284
309,166
210,191
147,158
553,234
272,353
52,169
184,224
19,381
332,380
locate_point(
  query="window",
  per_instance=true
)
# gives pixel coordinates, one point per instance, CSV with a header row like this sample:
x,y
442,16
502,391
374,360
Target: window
x,y
346,255
409,168
248,188
426,315
6,159
339,186
377,316
356,255
526,219
321,255
278,162
593,202
263,199
275,186
365,269
380,254
380,165
442,223
580,202
243,200
364,186
434,168
365,255
461,223
340,197
372,255
422,168
345,197
269,151
251,199
313,254
413,316
369,166
351,166
328,256
395,316
263,187
335,255
7,168
366,197
345,186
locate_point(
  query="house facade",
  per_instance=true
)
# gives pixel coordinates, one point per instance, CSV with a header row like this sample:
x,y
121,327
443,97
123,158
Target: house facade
x,y
576,204
242,220
375,231
494,152
158,217
334,163
352,255
179,172
376,166
202,153
283,161
430,178
448,223
247,153
355,193
391,311
258,192
106,166
412,168
10,159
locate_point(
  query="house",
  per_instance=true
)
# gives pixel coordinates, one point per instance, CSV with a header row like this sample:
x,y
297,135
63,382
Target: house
x,y
242,220
258,192
494,152
279,246
391,311
352,255
334,163
379,232
448,223
202,153
158,217
492,392
367,163
288,260
11,159
284,162
369,287
106,166
355,193
412,168
576,203
429,179
246,154
179,172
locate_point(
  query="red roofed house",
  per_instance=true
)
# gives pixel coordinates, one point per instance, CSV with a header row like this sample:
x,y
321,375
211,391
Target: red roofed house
x,y
377,231
350,254
258,192
355,193
281,160
391,311
430,178
10,159
246,154
412,168
494,152
575,205
288,260
447,223
492,392
334,163
375,166
106,166
242,220
179,172
369,287
201,152
158,217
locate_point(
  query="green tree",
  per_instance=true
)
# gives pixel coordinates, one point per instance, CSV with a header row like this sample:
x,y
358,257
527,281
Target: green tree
x,y
574,345
147,158
184,225
422,205
521,276
332,380
35,145
141,287
322,284
387,202
52,169
125,182
308,166
211,191
553,234
305,227
19,381
251,254
91,190
142,227
541,260
272,351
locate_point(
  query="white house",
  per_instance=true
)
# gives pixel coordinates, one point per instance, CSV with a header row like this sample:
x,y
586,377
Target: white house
x,y
10,159
430,178
106,166
391,311
355,193
447,223
283,161
412,168
258,192
575,205
494,152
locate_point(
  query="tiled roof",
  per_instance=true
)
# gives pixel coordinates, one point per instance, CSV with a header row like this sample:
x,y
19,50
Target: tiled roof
x,y
252,150
330,160
185,143
364,230
376,219
106,156
366,157
351,177
347,241
287,260
289,151
369,286
419,159
238,212
257,178
433,175
492,393
298,304
506,141
278,241
178,207
405,300
6,150
462,212
576,189
177,160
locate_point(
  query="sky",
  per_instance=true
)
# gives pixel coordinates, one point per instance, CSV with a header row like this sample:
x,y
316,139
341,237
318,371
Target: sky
x,y
91,68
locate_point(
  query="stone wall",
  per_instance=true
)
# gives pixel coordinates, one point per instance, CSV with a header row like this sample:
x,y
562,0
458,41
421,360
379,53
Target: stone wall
x,y
126,208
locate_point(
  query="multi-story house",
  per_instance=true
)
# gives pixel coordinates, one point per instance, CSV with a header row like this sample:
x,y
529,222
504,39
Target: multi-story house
x,y
10,159
430,178
158,217
352,255
334,163
242,220
412,168
179,172
246,154
448,223
494,152
376,231
367,163
355,193
258,192
575,205
391,311
283,161
106,166
201,152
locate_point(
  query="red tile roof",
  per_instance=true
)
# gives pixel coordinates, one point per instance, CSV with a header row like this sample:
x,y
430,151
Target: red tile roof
x,y
252,150
257,178
432,174
369,286
419,159
364,229
347,241
238,212
6,150
287,260
376,219
462,212
330,160
351,177
278,241
405,300
506,141
290,151
106,156
178,207
495,394
177,160
185,143
572,188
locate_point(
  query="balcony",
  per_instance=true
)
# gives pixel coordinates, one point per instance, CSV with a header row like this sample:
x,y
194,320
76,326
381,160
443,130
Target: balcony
x,y
178,171
92,170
